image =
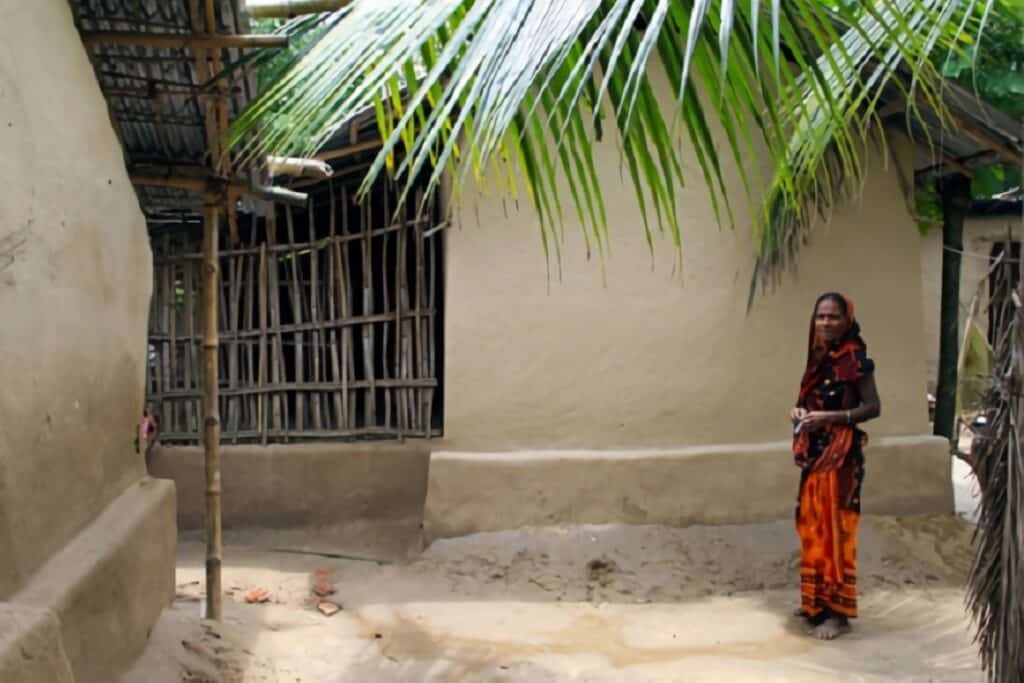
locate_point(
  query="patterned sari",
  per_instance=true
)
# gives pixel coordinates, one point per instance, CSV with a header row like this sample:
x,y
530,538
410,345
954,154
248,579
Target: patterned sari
x,y
831,460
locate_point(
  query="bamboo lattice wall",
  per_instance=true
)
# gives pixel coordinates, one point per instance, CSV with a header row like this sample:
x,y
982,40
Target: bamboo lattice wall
x,y
330,324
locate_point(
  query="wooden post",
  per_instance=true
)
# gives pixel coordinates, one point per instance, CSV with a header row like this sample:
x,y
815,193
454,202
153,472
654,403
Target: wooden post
x,y
211,411
955,192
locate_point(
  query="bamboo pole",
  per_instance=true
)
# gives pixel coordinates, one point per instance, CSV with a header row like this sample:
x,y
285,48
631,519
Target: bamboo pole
x,y
368,306
402,397
262,411
278,411
287,9
332,307
209,184
211,421
234,306
182,40
298,314
191,363
316,337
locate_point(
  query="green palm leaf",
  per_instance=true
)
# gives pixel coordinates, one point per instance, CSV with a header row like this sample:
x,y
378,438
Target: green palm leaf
x,y
525,86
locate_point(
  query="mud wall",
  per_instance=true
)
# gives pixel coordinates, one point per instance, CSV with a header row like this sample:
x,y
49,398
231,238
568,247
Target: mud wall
x,y
75,273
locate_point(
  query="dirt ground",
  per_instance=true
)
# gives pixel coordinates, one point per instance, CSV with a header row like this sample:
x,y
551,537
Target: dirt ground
x,y
594,604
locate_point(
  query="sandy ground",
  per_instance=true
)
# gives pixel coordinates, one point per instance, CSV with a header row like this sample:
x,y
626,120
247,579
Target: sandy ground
x,y
595,604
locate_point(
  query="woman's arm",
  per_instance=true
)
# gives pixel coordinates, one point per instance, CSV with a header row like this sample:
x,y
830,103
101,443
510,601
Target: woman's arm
x,y
870,407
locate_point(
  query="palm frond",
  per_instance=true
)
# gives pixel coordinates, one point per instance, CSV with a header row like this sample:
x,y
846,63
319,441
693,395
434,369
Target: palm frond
x,y
527,87
996,582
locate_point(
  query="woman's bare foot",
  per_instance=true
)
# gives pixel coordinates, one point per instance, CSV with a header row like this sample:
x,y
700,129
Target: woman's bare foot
x,y
830,629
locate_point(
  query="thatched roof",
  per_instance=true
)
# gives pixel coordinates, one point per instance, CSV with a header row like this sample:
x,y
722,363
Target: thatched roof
x,y
979,133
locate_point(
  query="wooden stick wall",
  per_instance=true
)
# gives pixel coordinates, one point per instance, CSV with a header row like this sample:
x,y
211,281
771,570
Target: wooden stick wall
x,y
329,324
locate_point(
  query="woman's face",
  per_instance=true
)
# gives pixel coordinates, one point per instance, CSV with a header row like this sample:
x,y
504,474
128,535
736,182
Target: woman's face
x,y
830,321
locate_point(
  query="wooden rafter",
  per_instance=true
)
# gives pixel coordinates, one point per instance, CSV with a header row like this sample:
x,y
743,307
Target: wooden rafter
x,y
222,186
183,40
286,9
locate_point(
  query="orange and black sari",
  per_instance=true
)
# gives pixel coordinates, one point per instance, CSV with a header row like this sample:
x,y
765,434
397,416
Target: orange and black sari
x,y
831,460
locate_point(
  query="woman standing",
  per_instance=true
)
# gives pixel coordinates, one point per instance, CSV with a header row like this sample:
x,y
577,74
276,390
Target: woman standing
x,y
836,394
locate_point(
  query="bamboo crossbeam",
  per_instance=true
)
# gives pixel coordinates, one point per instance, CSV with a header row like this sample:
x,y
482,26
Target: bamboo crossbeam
x,y
348,150
287,248
214,184
305,387
287,9
183,40
291,328
379,432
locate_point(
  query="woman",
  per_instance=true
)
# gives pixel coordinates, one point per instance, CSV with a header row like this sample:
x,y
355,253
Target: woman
x,y
836,394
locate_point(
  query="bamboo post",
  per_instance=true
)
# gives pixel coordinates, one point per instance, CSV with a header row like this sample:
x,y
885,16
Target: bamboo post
x,y
191,361
348,358
234,304
386,305
166,351
314,317
277,343
261,418
298,315
400,296
431,370
252,406
211,421
332,269
368,306
286,9
419,369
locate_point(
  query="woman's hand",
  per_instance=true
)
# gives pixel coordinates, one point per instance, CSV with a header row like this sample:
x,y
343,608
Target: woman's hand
x,y
814,420
797,414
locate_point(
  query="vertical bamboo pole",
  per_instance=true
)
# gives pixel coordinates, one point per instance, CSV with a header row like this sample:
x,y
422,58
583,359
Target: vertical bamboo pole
x,y
261,419
419,371
369,347
191,361
400,296
316,334
332,269
298,315
211,421
348,358
234,305
385,370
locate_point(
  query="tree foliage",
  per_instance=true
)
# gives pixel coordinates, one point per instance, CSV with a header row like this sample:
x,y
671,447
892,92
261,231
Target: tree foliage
x,y
521,90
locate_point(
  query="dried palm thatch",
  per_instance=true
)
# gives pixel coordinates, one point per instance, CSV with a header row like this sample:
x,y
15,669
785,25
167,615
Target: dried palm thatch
x,y
996,584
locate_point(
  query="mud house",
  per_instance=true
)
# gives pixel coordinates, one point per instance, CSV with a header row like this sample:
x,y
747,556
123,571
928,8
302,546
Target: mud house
x,y
377,365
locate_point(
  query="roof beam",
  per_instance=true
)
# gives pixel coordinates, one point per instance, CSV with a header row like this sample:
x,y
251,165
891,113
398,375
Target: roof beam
x,y
963,165
183,40
347,150
286,9
216,186
986,140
